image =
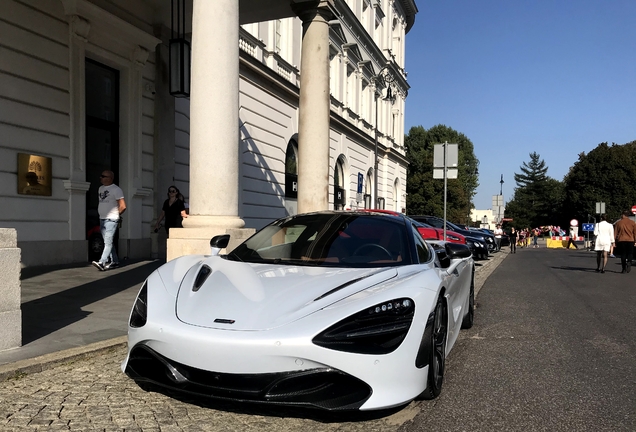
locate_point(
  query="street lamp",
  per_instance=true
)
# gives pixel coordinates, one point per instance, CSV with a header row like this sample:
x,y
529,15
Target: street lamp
x,y
501,182
383,78
179,54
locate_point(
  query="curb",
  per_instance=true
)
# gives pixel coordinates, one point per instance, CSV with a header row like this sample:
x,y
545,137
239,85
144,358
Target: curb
x,y
47,361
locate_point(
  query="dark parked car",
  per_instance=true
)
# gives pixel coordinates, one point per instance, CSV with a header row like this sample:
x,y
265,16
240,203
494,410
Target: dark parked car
x,y
487,239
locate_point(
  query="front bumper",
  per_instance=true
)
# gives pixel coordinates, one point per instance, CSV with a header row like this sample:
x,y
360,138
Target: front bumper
x,y
321,388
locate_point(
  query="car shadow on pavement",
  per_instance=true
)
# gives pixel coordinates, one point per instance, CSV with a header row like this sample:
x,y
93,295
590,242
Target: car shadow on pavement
x,y
56,310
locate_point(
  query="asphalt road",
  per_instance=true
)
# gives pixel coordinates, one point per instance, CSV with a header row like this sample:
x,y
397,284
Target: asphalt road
x,y
553,349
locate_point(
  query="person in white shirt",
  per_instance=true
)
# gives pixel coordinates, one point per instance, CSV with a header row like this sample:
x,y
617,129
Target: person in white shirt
x,y
111,206
498,233
604,232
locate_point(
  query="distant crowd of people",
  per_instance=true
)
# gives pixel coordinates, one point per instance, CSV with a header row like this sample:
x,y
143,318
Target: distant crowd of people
x,y
619,237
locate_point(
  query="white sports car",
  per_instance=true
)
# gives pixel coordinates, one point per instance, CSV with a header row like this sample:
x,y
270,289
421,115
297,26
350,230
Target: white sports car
x,y
329,310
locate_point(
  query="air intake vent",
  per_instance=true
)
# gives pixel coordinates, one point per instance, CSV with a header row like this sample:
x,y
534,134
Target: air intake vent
x,y
204,272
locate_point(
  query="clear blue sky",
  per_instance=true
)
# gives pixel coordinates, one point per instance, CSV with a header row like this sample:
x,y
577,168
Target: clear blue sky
x,y
557,77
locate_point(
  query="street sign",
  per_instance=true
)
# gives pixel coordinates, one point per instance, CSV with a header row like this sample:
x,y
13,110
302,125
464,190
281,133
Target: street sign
x,y
588,227
574,222
445,161
634,209
360,181
600,207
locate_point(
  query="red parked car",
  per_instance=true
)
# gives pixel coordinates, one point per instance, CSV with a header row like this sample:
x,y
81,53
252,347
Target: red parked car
x,y
428,232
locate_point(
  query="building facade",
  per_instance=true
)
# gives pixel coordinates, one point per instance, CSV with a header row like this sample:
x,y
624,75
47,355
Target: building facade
x,y
84,86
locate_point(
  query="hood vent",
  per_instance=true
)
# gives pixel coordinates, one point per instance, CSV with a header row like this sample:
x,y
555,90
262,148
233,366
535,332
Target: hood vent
x,y
338,288
203,274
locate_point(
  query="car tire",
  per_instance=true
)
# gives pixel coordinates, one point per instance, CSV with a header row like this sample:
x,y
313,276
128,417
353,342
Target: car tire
x,y
436,333
469,318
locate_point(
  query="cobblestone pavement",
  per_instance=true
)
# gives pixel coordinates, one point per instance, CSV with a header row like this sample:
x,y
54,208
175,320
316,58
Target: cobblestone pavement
x,y
92,393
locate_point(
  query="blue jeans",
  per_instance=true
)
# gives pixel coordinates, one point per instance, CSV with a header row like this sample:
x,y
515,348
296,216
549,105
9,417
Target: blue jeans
x,y
535,239
109,227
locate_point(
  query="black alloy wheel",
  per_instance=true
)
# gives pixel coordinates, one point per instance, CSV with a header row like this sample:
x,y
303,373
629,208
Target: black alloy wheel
x,y
438,334
469,318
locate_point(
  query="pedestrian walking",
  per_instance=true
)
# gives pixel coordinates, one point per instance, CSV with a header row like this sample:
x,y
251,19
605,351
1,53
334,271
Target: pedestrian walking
x,y
514,238
535,237
111,206
604,232
498,233
571,239
625,231
173,211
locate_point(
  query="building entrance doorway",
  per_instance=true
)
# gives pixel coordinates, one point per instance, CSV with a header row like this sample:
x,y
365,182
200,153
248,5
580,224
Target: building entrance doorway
x,y
102,143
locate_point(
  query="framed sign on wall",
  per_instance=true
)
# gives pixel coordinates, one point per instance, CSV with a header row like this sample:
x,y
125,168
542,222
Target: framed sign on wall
x,y
34,175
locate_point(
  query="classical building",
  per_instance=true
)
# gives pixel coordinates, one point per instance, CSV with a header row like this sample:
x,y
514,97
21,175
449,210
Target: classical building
x,y
294,106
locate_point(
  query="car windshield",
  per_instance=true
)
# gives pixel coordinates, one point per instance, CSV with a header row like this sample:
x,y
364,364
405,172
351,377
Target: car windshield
x,y
329,239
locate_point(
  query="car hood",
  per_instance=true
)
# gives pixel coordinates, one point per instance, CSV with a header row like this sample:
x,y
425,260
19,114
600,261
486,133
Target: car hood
x,y
247,296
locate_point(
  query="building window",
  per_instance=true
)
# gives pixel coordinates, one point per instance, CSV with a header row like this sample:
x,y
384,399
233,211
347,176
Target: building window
x,y
396,195
339,196
368,189
291,170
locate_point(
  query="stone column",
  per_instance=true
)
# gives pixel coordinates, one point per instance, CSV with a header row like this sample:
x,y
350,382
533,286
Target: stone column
x,y
10,292
214,130
76,185
314,110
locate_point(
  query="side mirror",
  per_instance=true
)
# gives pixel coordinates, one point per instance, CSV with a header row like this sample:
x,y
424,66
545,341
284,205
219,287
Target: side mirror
x,y
219,242
457,250
442,255
444,259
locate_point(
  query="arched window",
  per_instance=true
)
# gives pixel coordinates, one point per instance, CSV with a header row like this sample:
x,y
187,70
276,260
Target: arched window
x,y
291,169
339,196
368,189
397,195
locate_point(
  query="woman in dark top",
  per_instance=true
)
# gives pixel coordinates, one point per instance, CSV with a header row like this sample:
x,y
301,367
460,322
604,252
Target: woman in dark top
x,y
514,237
173,210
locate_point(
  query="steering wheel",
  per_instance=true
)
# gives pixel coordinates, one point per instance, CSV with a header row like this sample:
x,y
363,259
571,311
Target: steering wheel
x,y
371,247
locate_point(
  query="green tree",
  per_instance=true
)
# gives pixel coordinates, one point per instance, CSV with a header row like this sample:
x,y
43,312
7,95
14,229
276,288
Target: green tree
x,y
425,194
537,199
607,174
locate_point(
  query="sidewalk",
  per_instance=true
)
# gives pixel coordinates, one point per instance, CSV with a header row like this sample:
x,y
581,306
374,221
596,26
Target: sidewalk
x,y
73,312
73,308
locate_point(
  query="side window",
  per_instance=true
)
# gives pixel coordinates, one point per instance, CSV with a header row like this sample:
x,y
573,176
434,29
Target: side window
x,y
423,252
436,223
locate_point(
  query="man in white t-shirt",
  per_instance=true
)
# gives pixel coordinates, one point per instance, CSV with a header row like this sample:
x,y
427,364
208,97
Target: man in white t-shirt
x,y
498,233
111,207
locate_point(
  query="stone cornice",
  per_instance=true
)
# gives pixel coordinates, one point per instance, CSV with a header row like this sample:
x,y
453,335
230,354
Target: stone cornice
x,y
99,19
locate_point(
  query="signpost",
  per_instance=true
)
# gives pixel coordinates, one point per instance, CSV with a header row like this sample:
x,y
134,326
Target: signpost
x,y
445,164
634,209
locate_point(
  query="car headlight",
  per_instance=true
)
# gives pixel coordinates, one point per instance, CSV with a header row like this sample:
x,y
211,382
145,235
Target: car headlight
x,y
139,312
379,329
